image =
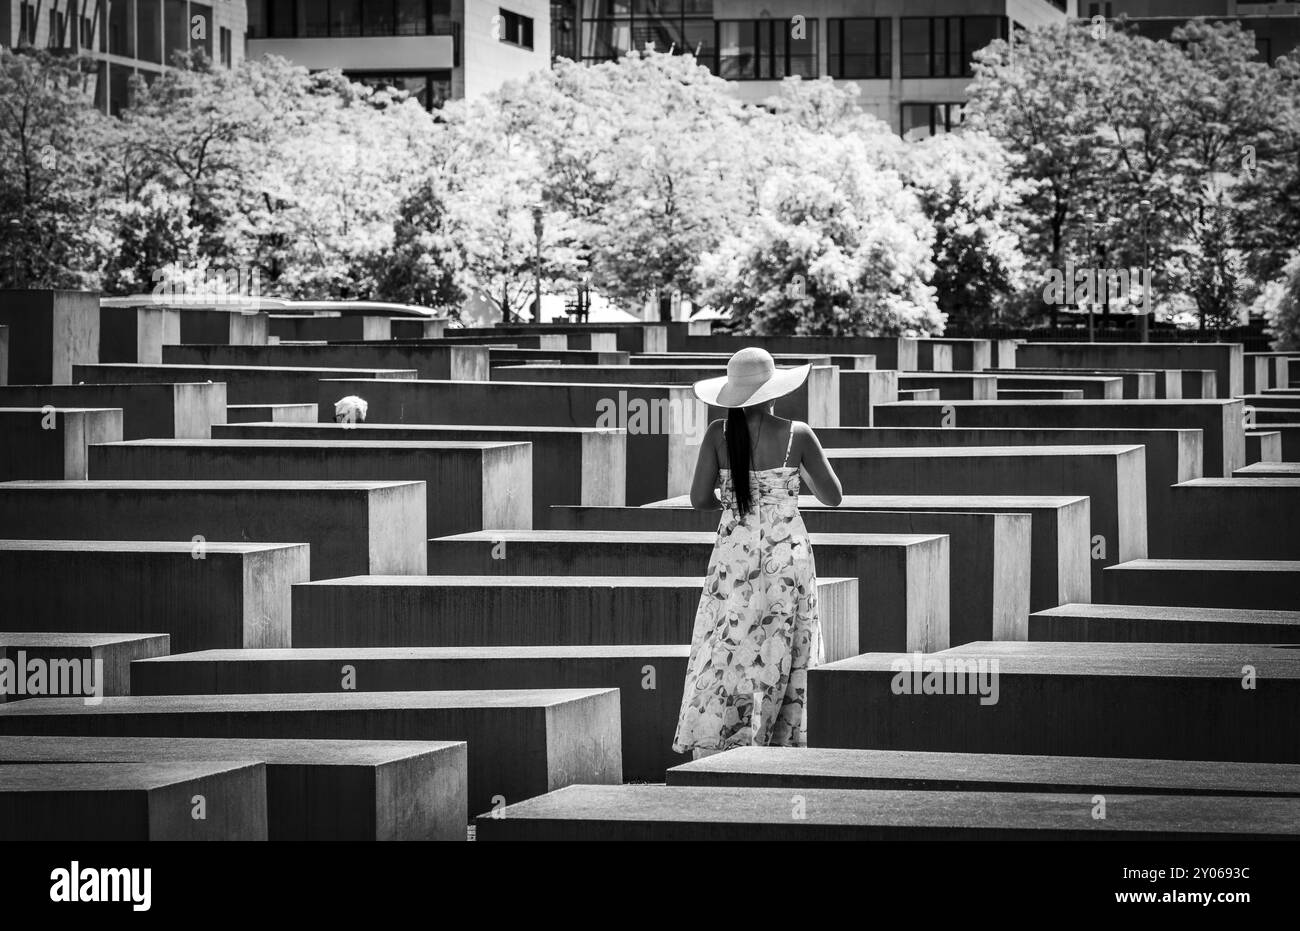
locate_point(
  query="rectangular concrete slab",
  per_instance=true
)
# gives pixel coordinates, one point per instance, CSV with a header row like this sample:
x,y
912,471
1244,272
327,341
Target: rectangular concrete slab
x,y
1114,478
650,680
461,363
667,813
133,802
967,355
1238,518
248,384
1060,535
952,386
1226,359
1095,387
571,465
137,334
183,411
522,742
204,595
891,352
1154,700
829,768
1205,583
49,333
447,611
1220,422
1136,384
907,574
51,442
861,391
1172,456
664,424
1287,470
101,661
353,527
316,790
469,485
990,565
1262,446
1164,624
270,413
815,402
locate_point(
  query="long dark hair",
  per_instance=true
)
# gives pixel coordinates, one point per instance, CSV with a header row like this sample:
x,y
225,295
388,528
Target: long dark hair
x,y
738,458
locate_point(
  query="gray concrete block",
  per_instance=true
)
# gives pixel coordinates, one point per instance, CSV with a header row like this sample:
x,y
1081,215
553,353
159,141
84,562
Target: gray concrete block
x,y
1164,624
316,790
49,333
353,527
906,573
183,411
1207,583
251,384
103,660
205,595
522,742
650,680
475,485
132,801
51,443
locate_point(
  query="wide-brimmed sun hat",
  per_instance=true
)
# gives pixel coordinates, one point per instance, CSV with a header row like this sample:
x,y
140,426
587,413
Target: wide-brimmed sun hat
x,y
752,378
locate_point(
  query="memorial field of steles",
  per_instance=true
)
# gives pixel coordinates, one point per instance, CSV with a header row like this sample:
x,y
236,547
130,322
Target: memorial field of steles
x,y
469,614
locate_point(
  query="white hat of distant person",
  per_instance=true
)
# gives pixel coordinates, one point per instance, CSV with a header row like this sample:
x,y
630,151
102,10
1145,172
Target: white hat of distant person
x,y
351,409
752,378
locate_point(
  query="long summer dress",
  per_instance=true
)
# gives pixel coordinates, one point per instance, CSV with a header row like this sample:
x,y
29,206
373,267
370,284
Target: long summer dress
x,y
756,629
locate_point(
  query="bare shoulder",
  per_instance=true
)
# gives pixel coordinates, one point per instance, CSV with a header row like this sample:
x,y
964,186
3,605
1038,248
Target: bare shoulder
x,y
713,434
800,436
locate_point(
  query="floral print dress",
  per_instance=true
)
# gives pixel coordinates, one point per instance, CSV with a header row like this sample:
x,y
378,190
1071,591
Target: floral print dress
x,y
756,629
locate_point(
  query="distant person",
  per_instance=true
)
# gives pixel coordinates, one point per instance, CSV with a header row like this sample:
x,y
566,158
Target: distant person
x,y
757,631
351,409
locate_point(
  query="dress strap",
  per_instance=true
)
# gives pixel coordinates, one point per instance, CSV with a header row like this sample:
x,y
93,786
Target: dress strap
x,y
788,443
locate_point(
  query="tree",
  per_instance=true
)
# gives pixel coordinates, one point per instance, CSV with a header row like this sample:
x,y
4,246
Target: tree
x,y
52,147
1279,301
969,192
837,248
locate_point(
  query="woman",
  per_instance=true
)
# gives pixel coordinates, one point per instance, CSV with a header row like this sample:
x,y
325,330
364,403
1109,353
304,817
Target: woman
x,y
756,629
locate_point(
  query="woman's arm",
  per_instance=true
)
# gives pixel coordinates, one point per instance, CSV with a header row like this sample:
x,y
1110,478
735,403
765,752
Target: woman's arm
x,y
703,489
817,472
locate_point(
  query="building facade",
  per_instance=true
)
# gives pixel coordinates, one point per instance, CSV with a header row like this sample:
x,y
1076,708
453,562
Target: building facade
x,y
435,49
126,37
1276,25
910,59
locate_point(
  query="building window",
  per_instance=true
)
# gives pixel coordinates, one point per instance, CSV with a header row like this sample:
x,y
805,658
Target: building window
x,y
921,120
1099,9
612,28
942,46
26,24
227,49
516,29
859,48
765,49
149,30
431,88
55,39
87,37
121,30
176,28
309,19
202,12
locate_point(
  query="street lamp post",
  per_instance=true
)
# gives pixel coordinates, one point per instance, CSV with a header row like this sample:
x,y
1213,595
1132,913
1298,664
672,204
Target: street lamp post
x,y
537,266
1144,318
1087,251
15,234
